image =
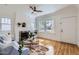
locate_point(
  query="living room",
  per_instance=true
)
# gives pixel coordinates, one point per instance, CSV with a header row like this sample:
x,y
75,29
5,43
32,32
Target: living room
x,y
44,29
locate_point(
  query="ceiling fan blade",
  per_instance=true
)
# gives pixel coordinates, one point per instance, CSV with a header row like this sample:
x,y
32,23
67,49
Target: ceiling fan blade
x,y
31,7
39,11
32,12
34,8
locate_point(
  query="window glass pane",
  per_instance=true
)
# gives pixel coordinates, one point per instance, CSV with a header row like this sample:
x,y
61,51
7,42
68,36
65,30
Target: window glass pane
x,y
9,21
48,25
41,25
2,20
6,27
6,20
5,24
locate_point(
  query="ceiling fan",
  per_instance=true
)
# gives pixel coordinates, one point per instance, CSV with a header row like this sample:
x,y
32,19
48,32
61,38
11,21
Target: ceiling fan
x,y
35,9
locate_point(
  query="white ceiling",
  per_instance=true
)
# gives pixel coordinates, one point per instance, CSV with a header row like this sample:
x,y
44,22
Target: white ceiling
x,y
46,8
50,8
24,8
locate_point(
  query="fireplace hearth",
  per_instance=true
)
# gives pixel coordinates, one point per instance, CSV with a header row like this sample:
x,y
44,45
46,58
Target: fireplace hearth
x,y
24,35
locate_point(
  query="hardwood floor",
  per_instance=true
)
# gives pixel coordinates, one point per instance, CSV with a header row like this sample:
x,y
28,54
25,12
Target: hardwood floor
x,y
60,48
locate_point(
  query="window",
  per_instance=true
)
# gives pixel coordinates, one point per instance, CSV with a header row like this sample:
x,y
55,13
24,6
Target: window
x,y
45,25
49,25
5,24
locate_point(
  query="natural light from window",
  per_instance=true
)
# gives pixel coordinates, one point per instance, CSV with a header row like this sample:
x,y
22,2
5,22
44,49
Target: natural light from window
x,y
45,25
5,24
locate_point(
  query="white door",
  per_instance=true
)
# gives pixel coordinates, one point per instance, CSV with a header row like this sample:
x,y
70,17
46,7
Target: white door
x,y
68,29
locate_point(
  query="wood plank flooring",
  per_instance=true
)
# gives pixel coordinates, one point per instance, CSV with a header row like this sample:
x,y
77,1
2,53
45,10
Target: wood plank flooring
x,y
60,48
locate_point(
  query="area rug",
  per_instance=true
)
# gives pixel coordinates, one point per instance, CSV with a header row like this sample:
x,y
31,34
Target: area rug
x,y
41,50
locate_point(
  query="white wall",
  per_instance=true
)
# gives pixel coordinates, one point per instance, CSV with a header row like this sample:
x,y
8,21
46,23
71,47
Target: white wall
x,y
77,24
21,18
65,12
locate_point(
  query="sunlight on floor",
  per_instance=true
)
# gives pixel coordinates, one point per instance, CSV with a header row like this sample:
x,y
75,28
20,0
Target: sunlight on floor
x,y
49,46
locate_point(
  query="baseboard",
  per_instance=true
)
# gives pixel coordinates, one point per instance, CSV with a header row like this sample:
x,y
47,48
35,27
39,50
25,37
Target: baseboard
x,y
56,41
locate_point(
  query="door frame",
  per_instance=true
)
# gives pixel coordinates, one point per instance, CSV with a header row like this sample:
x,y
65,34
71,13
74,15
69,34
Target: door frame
x,y
75,27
